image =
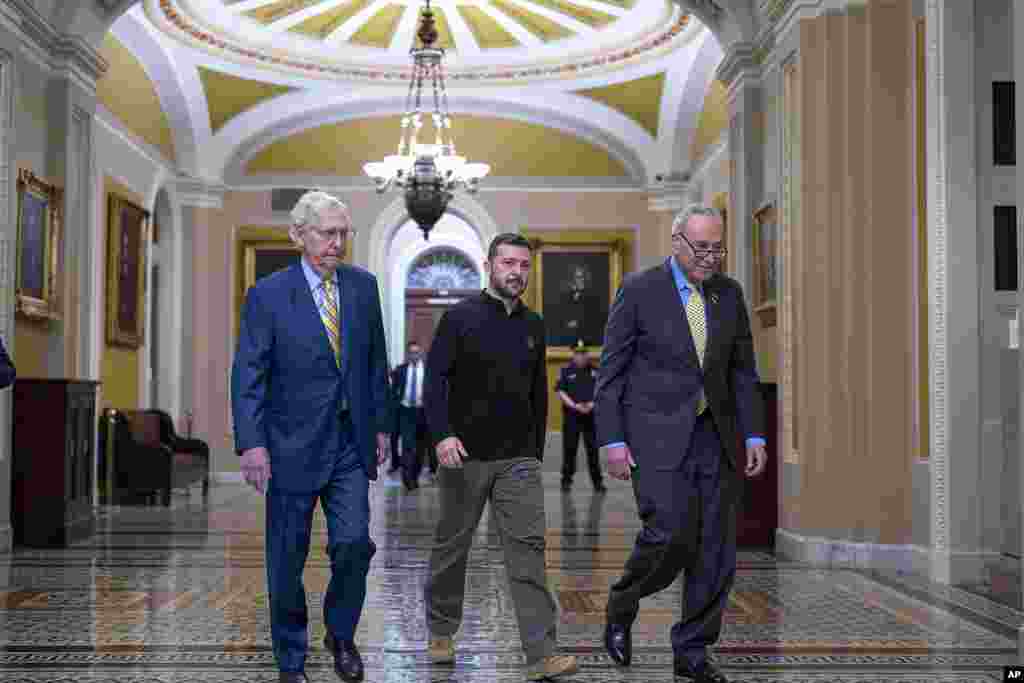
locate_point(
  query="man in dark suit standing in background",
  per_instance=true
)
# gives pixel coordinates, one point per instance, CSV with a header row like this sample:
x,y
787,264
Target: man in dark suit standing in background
x,y
407,388
312,418
677,388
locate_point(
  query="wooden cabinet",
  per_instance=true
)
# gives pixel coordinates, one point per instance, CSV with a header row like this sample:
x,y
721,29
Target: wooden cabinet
x,y
53,442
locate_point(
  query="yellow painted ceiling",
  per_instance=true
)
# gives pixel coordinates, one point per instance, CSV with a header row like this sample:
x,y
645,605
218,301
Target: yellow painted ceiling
x,y
227,95
488,33
323,17
512,148
128,93
639,99
322,25
542,27
712,120
380,28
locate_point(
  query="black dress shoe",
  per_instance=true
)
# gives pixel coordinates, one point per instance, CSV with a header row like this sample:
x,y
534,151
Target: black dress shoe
x,y
292,677
619,643
705,673
347,662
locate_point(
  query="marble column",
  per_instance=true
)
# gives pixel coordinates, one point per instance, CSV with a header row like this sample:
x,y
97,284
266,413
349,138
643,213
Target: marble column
x,y
855,313
207,321
954,283
664,201
70,69
741,73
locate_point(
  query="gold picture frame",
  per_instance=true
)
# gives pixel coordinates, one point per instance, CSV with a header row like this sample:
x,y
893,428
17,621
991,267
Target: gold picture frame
x,y
38,248
127,226
765,239
558,261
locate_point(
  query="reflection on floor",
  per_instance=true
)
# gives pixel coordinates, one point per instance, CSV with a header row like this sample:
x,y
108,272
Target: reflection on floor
x,y
177,594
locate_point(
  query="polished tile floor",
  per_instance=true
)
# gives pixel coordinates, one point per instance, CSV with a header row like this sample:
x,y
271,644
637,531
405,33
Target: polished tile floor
x,y
177,594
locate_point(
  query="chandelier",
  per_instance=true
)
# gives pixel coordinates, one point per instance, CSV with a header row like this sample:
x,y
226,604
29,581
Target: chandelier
x,y
429,173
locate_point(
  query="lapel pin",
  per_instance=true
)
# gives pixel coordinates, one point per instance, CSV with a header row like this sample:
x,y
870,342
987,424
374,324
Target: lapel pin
x,y
713,298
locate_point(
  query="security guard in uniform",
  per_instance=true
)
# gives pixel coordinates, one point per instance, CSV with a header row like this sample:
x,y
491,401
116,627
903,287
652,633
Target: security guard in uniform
x,y
575,388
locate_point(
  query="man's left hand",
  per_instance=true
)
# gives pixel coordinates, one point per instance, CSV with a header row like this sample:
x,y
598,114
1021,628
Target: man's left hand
x,y
383,447
757,458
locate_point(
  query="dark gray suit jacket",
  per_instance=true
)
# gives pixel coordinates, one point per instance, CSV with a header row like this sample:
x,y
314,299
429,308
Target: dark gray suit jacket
x,y
650,379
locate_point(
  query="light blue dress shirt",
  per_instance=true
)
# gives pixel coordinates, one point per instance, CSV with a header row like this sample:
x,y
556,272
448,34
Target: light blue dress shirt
x,y
315,284
685,289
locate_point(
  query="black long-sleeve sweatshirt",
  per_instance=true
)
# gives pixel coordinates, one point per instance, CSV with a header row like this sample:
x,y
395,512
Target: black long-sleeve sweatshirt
x,y
486,380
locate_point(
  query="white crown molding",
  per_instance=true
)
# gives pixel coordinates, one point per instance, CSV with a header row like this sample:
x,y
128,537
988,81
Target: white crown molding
x,y
739,64
670,195
491,184
200,194
60,53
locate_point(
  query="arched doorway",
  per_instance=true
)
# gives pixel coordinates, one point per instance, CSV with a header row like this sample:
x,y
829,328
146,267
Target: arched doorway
x,y
416,269
439,278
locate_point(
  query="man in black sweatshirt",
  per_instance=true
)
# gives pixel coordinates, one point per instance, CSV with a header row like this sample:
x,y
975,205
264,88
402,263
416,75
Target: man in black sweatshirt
x,y
486,399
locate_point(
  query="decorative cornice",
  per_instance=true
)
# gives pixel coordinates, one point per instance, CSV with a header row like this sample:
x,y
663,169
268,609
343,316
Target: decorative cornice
x,y
199,193
74,53
63,53
671,195
740,62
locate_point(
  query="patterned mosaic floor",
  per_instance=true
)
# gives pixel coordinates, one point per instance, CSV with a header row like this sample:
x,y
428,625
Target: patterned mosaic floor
x,y
178,595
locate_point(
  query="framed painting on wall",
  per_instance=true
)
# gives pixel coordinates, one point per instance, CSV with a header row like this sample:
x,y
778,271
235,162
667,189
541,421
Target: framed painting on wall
x,y
266,258
575,286
126,272
39,236
766,263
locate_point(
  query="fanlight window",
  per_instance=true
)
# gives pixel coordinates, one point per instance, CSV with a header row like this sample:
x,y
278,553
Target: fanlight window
x,y
443,269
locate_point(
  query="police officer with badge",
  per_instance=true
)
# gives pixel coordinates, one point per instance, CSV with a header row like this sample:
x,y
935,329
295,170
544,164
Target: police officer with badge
x,y
575,388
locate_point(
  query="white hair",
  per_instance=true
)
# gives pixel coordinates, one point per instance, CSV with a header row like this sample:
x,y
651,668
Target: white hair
x,y
688,212
309,209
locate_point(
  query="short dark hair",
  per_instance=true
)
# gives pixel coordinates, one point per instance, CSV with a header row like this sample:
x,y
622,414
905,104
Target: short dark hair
x,y
512,239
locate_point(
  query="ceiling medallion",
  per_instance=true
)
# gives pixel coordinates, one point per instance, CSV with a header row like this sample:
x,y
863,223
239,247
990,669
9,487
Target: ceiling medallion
x,y
429,173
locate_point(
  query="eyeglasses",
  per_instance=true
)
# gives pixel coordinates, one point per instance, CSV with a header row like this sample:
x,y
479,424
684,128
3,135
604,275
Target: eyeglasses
x,y
717,252
332,235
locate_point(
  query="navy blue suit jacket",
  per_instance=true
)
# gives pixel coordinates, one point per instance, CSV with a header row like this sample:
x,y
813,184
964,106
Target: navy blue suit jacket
x,y
286,388
650,378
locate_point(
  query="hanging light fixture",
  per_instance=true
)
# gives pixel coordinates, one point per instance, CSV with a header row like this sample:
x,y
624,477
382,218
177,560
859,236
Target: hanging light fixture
x,y
429,173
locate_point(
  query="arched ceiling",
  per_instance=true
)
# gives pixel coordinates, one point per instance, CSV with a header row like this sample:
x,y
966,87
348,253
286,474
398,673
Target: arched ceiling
x,y
241,81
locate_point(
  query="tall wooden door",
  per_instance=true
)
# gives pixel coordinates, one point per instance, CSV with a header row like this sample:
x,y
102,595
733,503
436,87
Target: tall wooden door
x,y
423,311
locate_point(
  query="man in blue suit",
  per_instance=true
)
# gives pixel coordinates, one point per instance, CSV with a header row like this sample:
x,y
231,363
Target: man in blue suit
x,y
312,420
676,392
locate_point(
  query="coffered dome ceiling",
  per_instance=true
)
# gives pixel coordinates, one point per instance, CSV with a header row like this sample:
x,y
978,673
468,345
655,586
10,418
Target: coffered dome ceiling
x,y
590,93
486,40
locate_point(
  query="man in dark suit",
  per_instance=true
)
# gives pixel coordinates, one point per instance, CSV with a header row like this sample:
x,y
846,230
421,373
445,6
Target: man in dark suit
x,y
312,416
407,385
677,387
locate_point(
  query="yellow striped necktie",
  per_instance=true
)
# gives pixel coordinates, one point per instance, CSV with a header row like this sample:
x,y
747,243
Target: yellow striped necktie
x,y
329,315
698,330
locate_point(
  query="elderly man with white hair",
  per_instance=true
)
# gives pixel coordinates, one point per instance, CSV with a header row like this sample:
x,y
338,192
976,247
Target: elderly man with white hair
x,y
312,420
676,393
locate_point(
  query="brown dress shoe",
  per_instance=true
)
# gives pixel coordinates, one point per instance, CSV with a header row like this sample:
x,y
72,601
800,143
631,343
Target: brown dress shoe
x,y
552,667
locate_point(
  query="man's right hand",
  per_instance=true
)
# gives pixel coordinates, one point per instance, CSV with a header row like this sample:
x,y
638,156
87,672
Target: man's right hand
x,y
451,452
256,467
620,462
